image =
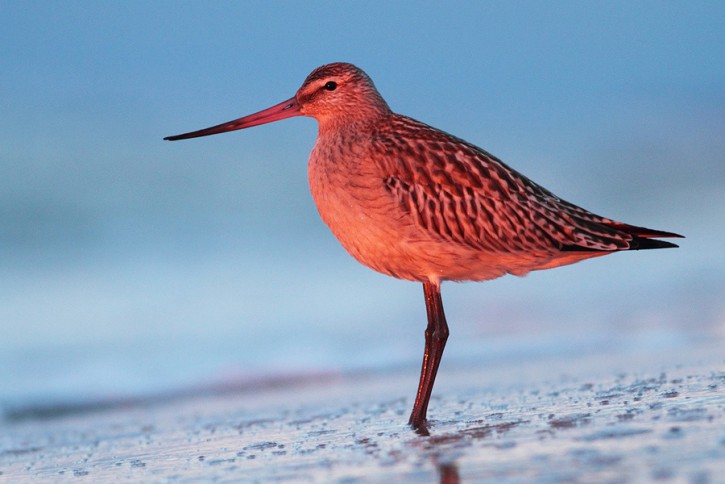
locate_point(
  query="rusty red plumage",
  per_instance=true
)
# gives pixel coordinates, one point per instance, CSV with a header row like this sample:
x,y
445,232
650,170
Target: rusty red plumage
x,y
416,203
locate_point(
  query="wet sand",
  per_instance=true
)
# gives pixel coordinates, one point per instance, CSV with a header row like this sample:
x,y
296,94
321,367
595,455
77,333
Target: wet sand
x,y
582,419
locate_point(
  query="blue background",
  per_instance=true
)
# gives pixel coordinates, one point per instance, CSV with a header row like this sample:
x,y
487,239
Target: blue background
x,y
131,265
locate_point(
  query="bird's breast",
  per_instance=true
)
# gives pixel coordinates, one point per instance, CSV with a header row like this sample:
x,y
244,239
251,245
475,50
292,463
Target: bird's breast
x,y
351,197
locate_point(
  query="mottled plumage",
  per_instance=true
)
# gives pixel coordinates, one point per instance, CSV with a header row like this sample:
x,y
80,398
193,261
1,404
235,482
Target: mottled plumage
x,y
416,203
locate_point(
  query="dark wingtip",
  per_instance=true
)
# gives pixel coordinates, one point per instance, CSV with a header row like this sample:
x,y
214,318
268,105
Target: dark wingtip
x,y
644,232
644,238
659,233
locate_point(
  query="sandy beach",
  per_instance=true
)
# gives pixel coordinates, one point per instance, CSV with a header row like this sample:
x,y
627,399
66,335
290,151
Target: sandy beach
x,y
545,420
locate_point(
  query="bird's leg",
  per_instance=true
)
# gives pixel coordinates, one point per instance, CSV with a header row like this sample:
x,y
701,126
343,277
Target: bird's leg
x,y
436,335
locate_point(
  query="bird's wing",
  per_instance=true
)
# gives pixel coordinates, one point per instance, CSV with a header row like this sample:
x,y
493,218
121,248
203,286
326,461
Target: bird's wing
x,y
459,192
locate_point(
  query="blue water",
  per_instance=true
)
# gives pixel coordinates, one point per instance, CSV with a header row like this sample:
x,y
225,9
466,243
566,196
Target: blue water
x,y
201,287
140,322
182,273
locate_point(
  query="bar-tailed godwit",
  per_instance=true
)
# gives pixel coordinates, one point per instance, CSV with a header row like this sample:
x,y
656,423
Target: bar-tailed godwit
x,y
416,203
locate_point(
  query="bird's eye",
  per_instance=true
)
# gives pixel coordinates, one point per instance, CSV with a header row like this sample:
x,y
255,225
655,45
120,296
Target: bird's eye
x,y
330,86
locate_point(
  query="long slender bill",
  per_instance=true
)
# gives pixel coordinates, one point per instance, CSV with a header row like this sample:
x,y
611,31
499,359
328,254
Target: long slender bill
x,y
286,109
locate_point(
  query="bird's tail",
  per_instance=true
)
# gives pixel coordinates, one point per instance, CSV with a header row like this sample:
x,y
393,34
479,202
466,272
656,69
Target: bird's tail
x,y
644,238
641,238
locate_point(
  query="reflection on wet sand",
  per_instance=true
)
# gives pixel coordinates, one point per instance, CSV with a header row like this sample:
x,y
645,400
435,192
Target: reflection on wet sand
x,y
639,427
449,473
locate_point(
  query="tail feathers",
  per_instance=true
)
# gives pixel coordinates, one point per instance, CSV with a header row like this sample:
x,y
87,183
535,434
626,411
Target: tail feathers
x,y
643,232
642,238
641,243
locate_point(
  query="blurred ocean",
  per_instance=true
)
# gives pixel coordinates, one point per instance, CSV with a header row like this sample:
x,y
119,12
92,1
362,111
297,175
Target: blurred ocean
x,y
132,265
162,286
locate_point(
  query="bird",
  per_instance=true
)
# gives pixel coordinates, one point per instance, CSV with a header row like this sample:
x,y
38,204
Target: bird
x,y
416,203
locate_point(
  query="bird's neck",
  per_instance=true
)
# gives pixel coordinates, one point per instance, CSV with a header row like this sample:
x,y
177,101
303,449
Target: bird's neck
x,y
355,126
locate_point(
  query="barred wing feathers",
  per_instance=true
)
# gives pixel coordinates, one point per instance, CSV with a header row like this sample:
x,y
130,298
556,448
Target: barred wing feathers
x,y
460,193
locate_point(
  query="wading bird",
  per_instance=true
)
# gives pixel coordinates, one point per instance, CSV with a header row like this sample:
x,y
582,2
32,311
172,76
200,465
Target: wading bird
x,y
416,203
